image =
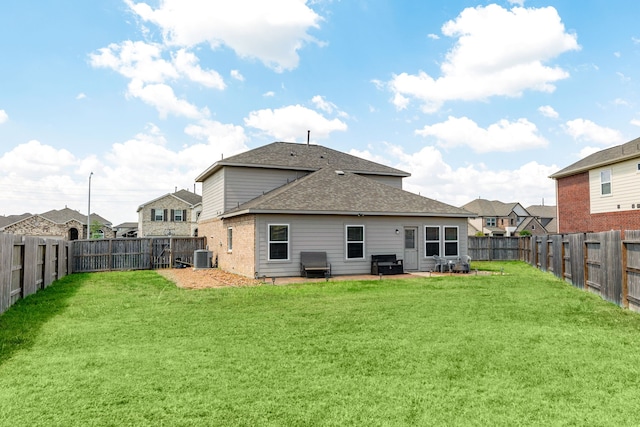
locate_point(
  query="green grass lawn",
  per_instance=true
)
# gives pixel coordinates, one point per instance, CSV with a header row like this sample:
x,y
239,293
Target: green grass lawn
x,y
130,348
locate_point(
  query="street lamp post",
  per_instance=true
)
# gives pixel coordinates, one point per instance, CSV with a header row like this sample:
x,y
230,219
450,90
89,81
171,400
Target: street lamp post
x,y
89,210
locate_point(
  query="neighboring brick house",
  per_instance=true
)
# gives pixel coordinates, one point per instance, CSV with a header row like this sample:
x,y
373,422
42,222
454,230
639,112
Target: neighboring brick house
x,y
496,218
600,192
67,224
263,207
174,214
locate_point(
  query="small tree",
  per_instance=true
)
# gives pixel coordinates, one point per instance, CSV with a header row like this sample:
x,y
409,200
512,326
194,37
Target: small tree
x,y
525,233
95,230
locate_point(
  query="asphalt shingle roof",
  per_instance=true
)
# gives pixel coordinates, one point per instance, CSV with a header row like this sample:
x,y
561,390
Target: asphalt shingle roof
x,y
484,207
328,192
604,157
294,156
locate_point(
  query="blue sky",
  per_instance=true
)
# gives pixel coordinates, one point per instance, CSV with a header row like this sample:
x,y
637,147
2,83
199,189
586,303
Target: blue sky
x,y
473,98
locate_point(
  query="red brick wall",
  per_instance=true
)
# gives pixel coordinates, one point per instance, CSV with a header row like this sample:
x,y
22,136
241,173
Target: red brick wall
x,y
574,204
574,209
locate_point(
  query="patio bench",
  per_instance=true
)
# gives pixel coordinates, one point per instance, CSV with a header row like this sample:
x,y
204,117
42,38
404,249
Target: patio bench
x,y
314,263
386,264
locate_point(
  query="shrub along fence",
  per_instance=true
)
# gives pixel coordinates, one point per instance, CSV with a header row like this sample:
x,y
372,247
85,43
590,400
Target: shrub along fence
x,y
28,264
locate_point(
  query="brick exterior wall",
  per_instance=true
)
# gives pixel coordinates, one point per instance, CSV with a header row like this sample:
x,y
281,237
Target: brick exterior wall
x,y
241,260
574,209
167,227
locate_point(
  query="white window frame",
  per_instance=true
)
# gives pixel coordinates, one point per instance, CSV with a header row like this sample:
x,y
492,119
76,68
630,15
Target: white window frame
x,y
229,239
604,182
158,213
348,242
269,242
491,222
175,215
437,227
456,241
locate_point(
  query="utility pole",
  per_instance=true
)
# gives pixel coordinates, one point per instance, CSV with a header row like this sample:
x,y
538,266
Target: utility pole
x,y
89,210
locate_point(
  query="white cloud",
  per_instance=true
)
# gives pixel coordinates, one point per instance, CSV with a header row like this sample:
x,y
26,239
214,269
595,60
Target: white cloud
x,y
499,52
81,96
432,177
518,2
236,75
161,97
292,122
502,136
586,130
272,32
135,60
635,122
433,36
187,63
128,174
150,75
548,111
3,116
269,94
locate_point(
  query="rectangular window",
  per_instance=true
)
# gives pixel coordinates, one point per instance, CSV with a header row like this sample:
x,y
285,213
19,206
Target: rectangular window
x,y
355,241
177,215
432,241
229,239
157,215
605,182
278,242
491,222
450,241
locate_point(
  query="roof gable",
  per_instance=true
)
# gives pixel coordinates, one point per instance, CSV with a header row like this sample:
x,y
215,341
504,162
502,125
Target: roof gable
x,y
328,191
494,208
184,196
308,157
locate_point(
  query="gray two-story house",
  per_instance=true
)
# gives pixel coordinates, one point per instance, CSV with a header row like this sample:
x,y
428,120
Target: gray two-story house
x,y
261,208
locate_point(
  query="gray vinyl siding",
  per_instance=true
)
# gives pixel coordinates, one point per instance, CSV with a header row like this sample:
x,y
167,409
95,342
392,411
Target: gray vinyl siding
x,y
213,196
327,234
244,184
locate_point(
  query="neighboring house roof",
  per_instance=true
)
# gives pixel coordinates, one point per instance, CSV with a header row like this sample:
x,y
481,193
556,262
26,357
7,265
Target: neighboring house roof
x,y
12,219
61,216
490,208
546,215
127,225
65,215
306,157
328,191
542,211
608,156
185,196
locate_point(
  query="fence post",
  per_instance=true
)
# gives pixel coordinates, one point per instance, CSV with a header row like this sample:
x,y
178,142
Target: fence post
x,y
625,282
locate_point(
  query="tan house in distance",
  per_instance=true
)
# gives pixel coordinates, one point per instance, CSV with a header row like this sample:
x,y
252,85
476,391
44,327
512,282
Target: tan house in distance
x,y
66,224
174,214
496,218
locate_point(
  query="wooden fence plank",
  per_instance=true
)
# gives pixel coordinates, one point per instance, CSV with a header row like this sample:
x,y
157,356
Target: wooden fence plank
x,y
6,254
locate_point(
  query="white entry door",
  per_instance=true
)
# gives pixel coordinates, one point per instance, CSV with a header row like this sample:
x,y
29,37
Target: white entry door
x,y
411,248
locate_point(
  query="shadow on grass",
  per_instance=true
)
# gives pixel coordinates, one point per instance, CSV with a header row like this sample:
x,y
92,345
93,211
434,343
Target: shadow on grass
x,y
21,323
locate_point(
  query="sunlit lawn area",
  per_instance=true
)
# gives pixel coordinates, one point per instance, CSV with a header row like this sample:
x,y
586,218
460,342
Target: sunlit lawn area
x,y
522,348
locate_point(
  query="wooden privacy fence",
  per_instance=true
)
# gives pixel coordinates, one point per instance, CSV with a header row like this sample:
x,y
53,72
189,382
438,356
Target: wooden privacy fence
x,y
133,254
607,263
28,264
496,248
